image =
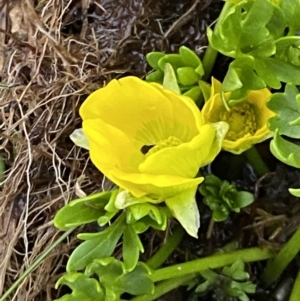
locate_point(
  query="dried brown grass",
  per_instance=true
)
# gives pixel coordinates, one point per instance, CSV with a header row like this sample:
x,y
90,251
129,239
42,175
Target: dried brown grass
x,y
52,54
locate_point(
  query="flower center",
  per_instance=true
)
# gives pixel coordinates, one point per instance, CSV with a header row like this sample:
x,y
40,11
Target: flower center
x,y
171,141
241,120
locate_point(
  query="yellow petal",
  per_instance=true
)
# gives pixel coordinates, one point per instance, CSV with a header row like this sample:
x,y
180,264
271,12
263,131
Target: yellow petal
x,y
184,108
216,87
259,100
131,104
214,106
128,114
110,148
183,160
118,160
156,186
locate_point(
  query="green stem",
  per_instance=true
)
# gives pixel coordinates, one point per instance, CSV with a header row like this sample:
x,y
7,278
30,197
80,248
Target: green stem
x,y
166,249
43,255
277,265
211,262
256,161
210,54
296,289
165,287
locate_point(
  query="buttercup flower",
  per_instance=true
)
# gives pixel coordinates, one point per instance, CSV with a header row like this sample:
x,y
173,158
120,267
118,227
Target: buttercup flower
x,y
150,141
247,120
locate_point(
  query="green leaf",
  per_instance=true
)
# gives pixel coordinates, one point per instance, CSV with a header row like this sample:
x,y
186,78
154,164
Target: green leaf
x,y
290,9
83,288
184,208
110,209
174,60
195,94
236,271
274,70
223,197
138,211
200,70
108,271
220,213
170,80
132,247
243,199
210,276
187,76
153,58
155,76
116,280
137,282
295,192
190,58
288,49
79,139
203,287
231,282
287,108
239,289
125,199
243,29
253,32
82,211
241,78
285,151
278,22
205,89
98,245
143,216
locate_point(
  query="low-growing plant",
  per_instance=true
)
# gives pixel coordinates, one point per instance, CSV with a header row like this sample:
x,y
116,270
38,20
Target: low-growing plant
x,y
151,137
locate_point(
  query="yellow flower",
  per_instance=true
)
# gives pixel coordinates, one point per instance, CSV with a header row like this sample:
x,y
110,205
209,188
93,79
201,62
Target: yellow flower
x,y
148,140
247,120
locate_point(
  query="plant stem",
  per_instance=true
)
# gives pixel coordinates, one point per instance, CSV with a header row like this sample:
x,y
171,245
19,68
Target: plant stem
x,y
211,262
43,255
210,54
166,249
276,266
165,287
256,161
296,289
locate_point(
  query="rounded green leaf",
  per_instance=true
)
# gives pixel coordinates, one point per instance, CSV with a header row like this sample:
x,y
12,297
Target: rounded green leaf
x,y
195,94
155,76
189,57
174,59
153,58
187,76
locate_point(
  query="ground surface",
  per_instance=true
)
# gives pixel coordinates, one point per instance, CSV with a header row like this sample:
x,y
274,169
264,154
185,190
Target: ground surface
x,y
52,55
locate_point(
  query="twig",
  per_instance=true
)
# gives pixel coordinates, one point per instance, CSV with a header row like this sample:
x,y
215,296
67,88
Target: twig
x,y
181,21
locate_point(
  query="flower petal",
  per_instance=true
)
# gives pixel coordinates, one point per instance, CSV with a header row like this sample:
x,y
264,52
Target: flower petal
x,y
155,186
187,117
110,148
183,160
117,105
79,139
216,87
214,106
125,199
